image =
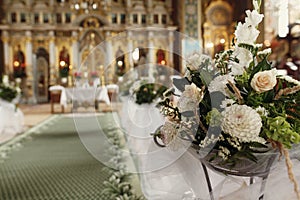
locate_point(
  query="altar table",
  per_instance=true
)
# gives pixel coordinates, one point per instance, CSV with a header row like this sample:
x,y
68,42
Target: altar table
x,y
82,96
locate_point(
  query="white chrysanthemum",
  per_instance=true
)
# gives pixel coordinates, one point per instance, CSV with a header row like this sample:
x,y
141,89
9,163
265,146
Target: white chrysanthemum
x,y
242,122
218,84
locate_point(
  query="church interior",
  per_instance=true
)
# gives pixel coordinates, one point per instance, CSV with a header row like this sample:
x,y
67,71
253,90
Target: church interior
x,y
70,62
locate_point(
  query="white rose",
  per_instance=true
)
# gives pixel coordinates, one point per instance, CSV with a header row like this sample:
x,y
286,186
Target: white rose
x,y
264,81
194,62
190,98
191,91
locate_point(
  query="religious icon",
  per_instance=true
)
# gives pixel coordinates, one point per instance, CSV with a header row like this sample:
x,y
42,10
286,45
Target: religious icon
x,y
160,57
64,62
19,63
120,62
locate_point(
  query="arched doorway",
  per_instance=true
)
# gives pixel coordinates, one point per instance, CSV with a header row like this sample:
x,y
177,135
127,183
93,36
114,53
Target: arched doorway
x,y
42,75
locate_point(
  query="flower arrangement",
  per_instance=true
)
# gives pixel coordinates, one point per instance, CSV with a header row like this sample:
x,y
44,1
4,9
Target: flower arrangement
x,y
236,106
8,92
145,92
94,74
77,75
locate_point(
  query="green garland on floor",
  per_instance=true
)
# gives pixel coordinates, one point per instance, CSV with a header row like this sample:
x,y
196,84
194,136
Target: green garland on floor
x,y
118,186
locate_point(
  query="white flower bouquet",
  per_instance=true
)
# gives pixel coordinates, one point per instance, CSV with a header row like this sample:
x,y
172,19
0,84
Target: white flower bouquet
x,y
235,107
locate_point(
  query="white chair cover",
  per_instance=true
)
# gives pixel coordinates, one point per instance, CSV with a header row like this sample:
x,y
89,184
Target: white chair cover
x,y
103,96
63,95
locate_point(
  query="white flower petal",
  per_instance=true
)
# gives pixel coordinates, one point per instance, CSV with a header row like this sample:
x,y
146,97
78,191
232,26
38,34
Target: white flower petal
x,y
242,122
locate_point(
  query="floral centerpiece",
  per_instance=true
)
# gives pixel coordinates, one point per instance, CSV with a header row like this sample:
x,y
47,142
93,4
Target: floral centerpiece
x,y
78,75
94,74
145,92
9,92
235,107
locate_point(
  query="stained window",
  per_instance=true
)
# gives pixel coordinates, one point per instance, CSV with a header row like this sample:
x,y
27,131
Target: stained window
x,y
23,17
113,18
123,18
36,18
155,19
143,19
164,19
68,17
46,18
13,17
135,18
58,18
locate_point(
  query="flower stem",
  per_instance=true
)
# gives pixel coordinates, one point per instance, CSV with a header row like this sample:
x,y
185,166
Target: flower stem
x,y
236,92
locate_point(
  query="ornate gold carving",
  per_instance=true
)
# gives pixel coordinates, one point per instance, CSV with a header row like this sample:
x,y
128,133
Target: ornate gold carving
x,y
91,22
28,39
5,39
219,13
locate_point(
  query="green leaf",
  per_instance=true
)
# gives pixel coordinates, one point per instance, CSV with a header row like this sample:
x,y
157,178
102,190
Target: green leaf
x,y
188,114
180,83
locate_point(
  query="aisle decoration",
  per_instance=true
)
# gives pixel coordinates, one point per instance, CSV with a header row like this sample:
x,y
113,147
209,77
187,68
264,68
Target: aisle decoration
x,y
118,186
236,109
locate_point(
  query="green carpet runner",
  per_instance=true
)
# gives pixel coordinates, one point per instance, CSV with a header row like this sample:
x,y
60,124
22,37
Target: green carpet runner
x,y
52,164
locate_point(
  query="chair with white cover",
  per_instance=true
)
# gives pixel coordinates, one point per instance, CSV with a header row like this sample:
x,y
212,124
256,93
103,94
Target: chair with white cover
x,y
57,95
112,90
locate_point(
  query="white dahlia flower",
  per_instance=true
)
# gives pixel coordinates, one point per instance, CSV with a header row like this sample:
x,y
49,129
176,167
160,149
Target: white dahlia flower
x,y
242,122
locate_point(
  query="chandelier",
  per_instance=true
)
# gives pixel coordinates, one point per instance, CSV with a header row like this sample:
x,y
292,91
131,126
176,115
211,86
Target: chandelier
x,y
87,6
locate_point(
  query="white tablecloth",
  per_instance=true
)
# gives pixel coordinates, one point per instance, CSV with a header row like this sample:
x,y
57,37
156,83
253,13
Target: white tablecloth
x,y
179,175
11,120
89,94
185,180
82,94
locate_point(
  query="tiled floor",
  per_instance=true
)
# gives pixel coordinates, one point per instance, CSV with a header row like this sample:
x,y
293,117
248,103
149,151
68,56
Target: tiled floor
x,y
34,114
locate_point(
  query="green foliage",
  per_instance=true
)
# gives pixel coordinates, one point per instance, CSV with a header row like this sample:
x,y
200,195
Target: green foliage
x,y
148,92
278,129
7,93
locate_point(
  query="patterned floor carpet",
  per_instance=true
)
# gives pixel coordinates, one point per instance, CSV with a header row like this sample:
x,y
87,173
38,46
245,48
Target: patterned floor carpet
x,y
50,163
